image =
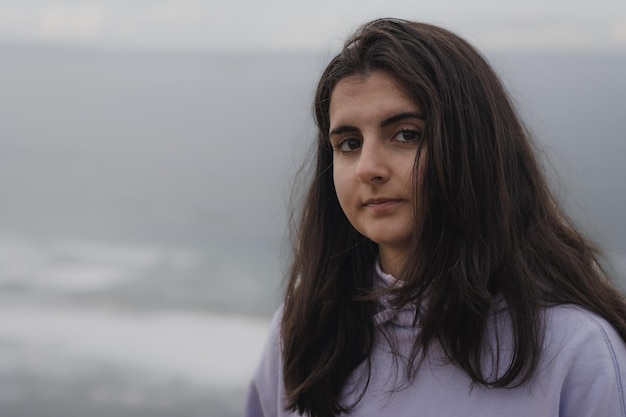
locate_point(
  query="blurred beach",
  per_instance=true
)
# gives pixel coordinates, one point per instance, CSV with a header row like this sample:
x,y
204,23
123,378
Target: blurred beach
x,y
145,200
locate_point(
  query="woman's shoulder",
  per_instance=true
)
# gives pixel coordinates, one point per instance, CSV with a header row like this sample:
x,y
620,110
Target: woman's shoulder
x,y
266,388
276,319
576,333
588,356
570,324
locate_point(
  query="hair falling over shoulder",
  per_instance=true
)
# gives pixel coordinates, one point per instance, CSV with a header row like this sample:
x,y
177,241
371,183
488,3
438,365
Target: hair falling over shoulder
x,y
487,226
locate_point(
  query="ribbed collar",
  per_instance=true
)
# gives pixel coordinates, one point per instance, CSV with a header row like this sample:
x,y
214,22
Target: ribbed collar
x,y
387,313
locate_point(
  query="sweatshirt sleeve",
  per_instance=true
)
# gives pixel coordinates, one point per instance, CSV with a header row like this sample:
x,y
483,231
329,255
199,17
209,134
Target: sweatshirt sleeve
x,y
596,372
266,389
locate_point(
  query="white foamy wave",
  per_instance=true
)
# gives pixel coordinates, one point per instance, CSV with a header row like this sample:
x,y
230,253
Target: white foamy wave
x,y
80,266
218,351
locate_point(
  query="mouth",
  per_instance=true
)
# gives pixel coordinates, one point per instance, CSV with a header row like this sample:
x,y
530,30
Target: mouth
x,y
381,203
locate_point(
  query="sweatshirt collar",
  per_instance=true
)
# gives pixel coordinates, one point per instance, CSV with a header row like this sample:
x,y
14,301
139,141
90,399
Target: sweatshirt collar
x,y
405,315
387,313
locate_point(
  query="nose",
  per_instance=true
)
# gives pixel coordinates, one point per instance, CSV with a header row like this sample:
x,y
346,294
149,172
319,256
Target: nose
x,y
372,166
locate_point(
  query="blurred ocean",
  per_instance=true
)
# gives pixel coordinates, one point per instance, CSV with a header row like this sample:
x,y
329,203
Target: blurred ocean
x,y
144,203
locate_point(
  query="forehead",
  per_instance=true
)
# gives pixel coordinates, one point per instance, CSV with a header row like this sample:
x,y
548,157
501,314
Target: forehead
x,y
366,96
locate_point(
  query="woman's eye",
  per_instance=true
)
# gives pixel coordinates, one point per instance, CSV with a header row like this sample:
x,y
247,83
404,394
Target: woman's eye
x,y
348,145
408,136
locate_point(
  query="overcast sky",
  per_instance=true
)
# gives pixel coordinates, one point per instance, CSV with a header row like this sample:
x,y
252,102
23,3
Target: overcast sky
x,y
313,24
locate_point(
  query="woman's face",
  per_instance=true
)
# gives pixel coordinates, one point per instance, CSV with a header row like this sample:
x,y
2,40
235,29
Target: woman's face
x,y
375,133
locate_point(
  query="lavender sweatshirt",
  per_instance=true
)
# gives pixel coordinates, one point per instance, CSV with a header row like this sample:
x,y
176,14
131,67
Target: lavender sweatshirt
x,y
581,373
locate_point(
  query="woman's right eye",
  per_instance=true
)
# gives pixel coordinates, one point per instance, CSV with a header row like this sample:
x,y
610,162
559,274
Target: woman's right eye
x,y
348,145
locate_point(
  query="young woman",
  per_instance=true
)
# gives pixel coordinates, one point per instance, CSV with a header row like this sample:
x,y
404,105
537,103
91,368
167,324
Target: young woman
x,y
434,274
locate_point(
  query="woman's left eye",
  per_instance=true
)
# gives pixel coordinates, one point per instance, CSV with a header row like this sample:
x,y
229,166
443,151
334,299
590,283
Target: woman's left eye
x,y
408,136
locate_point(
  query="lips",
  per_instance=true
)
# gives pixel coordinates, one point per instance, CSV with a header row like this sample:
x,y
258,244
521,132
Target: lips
x,y
381,203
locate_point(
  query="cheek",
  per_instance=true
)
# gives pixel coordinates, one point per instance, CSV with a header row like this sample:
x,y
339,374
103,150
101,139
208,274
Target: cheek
x,y
342,188
405,171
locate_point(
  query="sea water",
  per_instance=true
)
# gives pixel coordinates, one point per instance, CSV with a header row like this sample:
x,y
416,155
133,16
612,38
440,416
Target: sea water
x,y
145,202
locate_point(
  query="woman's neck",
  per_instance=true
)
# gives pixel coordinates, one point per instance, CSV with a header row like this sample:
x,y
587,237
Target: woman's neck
x,y
391,262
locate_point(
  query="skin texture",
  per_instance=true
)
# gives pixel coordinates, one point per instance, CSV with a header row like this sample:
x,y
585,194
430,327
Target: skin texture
x,y
375,132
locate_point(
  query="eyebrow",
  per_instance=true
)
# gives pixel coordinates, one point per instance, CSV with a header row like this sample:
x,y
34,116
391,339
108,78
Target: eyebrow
x,y
388,121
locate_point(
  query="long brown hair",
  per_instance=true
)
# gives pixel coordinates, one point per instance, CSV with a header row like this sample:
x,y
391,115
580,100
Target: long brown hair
x,y
487,227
